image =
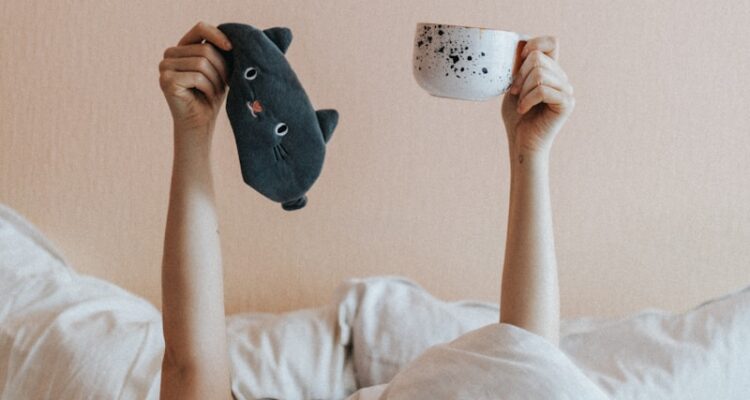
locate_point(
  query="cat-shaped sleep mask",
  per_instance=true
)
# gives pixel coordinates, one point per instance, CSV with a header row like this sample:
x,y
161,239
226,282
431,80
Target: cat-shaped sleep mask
x,y
281,139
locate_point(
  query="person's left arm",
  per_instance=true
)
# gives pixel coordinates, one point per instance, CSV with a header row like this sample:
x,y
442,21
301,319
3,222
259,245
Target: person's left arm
x,y
534,111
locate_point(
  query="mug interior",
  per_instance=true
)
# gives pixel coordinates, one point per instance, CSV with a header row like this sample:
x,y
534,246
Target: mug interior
x,y
449,26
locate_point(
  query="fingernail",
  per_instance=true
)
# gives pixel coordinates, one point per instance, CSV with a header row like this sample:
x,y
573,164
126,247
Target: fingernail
x,y
514,90
228,45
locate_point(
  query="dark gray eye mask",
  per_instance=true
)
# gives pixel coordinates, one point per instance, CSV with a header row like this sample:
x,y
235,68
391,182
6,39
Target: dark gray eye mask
x,y
281,139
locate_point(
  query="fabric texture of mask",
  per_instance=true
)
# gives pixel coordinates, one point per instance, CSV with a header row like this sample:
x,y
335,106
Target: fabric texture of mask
x,y
281,139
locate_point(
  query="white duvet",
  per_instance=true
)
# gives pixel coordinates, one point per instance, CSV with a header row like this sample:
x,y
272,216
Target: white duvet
x,y
498,361
64,335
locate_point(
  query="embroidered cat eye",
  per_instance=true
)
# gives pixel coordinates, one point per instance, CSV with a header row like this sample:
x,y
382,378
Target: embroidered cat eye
x,y
251,73
281,129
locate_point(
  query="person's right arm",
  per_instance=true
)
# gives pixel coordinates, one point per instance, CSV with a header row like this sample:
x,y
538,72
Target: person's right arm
x,y
196,363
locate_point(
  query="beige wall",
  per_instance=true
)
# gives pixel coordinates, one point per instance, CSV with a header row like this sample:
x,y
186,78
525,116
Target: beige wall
x,y
649,178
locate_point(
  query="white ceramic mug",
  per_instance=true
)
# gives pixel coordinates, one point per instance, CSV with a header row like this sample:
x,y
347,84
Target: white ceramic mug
x,y
467,63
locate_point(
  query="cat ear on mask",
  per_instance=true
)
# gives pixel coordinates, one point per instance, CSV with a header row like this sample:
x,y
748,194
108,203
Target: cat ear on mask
x,y
328,119
280,36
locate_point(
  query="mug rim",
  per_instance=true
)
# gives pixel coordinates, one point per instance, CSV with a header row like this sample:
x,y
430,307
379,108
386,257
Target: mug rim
x,y
468,27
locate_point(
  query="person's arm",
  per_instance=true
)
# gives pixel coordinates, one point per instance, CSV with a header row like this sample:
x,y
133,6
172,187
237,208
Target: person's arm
x,y
195,364
537,106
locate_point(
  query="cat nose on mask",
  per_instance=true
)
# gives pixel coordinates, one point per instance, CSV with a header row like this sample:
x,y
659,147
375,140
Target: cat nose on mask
x,y
255,107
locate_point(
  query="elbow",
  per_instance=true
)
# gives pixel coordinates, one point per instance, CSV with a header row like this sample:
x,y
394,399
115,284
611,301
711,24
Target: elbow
x,y
173,363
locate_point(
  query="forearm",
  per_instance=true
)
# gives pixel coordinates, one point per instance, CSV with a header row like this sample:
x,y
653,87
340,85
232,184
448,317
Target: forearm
x,y
192,278
530,294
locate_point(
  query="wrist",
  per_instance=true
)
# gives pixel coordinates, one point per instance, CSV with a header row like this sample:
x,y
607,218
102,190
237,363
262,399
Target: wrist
x,y
528,160
195,141
192,153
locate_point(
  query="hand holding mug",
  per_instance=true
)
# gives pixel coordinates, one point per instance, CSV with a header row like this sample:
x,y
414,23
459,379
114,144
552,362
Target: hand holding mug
x,y
469,63
540,99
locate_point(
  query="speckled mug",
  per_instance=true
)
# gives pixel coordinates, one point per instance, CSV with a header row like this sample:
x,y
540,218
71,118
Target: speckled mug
x,y
466,63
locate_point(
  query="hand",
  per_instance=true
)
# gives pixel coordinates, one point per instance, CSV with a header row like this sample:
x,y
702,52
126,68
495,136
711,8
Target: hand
x,y
193,78
539,100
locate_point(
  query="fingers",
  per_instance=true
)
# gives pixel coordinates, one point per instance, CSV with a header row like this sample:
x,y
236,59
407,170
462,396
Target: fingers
x,y
203,31
177,82
535,59
558,101
548,45
539,59
201,50
194,64
538,52
541,76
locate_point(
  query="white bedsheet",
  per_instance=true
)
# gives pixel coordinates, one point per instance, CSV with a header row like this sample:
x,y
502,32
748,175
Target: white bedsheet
x,y
64,335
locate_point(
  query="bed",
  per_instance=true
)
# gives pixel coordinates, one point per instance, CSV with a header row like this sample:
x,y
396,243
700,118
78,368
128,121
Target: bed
x,y
65,335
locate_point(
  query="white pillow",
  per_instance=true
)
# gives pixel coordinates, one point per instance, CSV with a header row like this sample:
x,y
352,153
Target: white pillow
x,y
393,320
296,355
700,354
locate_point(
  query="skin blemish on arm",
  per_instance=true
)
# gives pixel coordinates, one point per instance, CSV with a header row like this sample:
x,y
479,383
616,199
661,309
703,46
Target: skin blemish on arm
x,y
520,158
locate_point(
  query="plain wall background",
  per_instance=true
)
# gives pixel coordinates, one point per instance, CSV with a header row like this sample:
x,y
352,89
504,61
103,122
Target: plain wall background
x,y
649,178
